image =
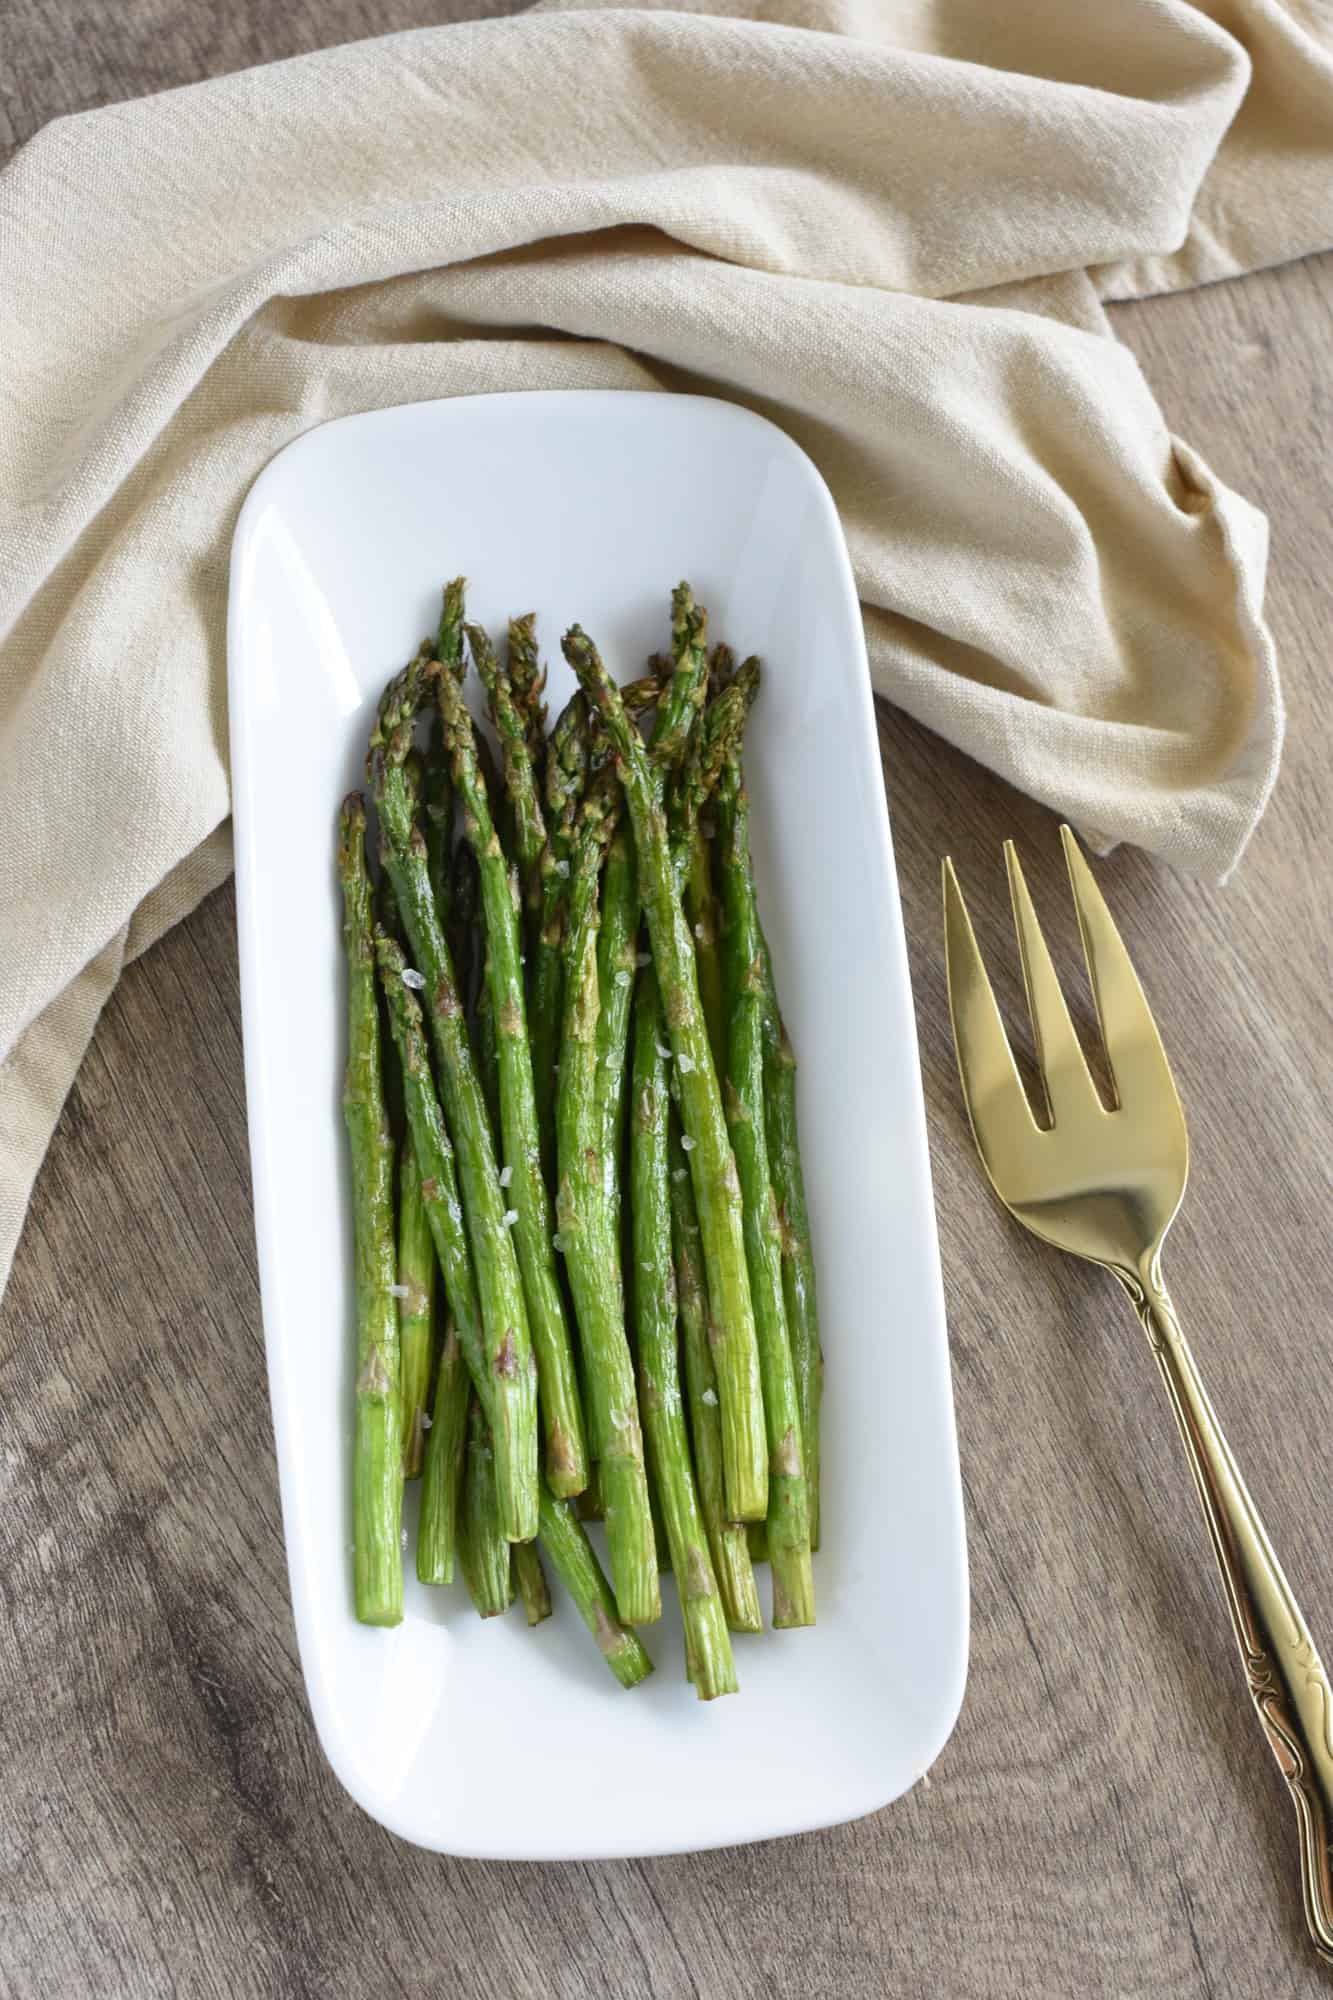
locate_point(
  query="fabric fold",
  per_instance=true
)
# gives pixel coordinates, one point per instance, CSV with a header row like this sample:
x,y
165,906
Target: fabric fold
x,y
886,224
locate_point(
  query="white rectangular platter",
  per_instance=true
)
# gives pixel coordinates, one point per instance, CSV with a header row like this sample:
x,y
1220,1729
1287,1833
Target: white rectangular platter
x,y
484,1738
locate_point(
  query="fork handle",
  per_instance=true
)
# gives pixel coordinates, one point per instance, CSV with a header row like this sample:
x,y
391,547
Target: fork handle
x,y
1288,1685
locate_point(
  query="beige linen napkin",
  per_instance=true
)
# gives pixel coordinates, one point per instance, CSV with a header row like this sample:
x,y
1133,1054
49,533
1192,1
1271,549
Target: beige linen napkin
x,y
887,224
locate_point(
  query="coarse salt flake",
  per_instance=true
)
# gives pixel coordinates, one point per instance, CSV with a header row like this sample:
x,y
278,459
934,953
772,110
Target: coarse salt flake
x,y
622,979
664,1053
685,1064
426,1421
413,978
557,1241
509,1218
700,932
398,1291
709,1396
687,1142
506,1175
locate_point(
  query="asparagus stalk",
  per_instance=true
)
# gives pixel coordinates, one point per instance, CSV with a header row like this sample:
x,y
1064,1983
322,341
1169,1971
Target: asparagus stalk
x,y
526,678
511,1404
562,1423
437,799
377,1463
566,775
513,719
566,1543
416,1308
707,1645
617,942
716,1187
726,1538
531,1580
687,690
694,858
441,1480
788,1518
482,1547
588,1240
798,1263
486,1045
439,1191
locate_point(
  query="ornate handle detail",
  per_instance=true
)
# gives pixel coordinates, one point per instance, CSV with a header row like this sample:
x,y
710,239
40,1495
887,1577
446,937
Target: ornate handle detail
x,y
1287,1681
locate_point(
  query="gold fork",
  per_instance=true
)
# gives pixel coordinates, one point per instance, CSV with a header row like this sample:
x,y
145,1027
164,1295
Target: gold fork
x,y
1106,1185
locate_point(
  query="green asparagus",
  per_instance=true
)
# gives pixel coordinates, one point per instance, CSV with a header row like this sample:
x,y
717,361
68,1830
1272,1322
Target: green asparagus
x,y
437,807
526,677
565,1541
482,1547
512,1406
690,837
439,1177
441,1479
513,722
377,1461
716,1187
590,1249
708,1647
788,1518
617,943
566,776
726,1538
562,1423
416,1308
798,1263
530,1578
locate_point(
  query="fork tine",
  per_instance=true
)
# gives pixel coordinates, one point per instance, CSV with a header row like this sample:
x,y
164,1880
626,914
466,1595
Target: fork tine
x,y
992,1089
1064,1071
1138,1061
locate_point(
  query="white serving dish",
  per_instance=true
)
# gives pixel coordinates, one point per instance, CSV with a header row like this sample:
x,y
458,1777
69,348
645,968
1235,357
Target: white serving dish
x,y
484,1738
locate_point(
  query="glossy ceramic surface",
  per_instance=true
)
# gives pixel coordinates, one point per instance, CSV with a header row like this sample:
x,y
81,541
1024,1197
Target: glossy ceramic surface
x,y
488,1739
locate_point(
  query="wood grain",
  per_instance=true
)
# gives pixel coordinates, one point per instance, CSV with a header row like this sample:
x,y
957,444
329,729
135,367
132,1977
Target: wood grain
x,y
1105,1820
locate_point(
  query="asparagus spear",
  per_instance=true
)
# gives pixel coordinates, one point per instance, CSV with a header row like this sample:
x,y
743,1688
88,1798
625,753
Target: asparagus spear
x,y
511,1404
788,1518
562,1423
716,1187
707,1645
726,1538
513,720
531,1580
416,1252
441,1480
527,682
416,1308
591,1257
687,690
437,800
566,775
486,1044
617,942
377,1463
721,738
566,1543
440,1198
690,835
798,1263
482,1547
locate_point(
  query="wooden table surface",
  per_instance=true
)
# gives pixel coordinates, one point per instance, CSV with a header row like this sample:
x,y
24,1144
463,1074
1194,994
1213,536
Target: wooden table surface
x,y
1105,1820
